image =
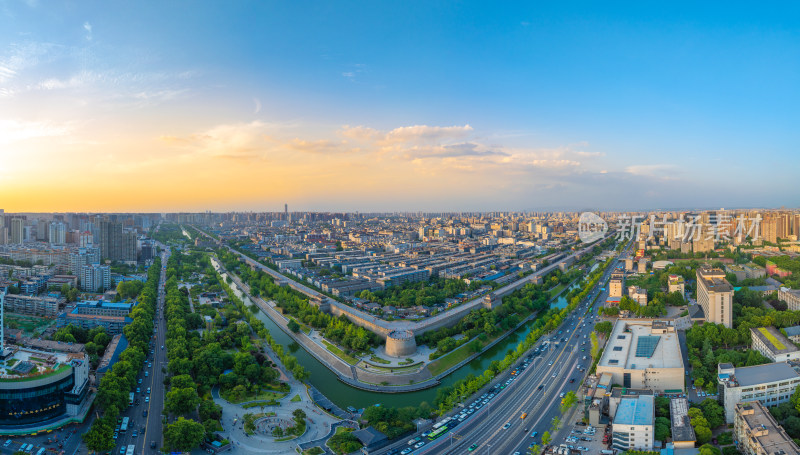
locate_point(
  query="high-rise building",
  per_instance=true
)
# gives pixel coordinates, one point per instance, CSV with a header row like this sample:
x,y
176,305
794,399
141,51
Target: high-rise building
x,y
95,277
715,295
17,230
42,231
57,233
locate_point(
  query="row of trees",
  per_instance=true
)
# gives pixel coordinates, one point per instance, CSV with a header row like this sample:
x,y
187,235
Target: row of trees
x,y
427,293
447,397
182,398
339,330
112,393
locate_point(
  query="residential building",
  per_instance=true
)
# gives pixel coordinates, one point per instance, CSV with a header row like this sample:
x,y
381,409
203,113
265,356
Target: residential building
x,y
793,333
95,277
616,284
638,295
644,354
634,424
17,230
675,284
37,306
771,384
758,433
776,347
57,233
715,295
791,297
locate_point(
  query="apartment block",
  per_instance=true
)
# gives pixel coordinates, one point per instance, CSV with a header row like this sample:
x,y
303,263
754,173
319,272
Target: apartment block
x,y
758,433
791,297
715,296
675,284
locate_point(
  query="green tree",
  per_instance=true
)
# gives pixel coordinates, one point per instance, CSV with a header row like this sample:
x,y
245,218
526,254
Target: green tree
x,y
181,401
546,438
293,326
183,435
100,437
662,429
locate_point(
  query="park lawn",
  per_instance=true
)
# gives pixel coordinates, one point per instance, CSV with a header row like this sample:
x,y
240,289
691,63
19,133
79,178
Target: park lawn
x,y
448,360
295,399
339,353
402,369
377,359
557,289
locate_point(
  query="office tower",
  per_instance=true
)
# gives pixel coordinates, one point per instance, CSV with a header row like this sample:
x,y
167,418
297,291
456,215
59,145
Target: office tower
x,y
17,230
715,295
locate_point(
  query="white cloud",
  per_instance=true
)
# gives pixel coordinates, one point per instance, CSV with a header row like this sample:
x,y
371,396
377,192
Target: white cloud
x,y
651,170
19,130
88,27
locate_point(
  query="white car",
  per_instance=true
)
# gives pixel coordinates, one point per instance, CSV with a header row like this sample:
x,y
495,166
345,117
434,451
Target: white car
x,y
419,444
507,425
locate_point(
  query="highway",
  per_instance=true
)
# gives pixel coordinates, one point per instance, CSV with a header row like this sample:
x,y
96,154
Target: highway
x,y
551,368
148,428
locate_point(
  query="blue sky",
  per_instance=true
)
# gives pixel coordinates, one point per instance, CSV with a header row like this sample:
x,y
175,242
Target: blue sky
x,y
405,105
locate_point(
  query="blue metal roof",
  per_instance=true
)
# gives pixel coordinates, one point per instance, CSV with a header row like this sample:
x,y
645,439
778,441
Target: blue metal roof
x,y
635,411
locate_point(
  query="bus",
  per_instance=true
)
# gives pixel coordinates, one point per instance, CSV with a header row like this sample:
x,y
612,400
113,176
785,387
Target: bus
x,y
437,432
131,449
124,425
130,399
442,423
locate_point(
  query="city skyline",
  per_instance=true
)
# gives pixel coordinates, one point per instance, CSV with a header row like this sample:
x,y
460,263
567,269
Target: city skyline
x,y
376,107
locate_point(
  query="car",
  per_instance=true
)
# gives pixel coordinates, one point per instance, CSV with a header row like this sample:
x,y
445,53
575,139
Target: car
x,y
554,374
550,363
144,413
140,381
7,443
507,425
148,390
473,447
582,449
541,386
122,450
146,399
470,411
146,373
561,395
419,444
152,444
162,347
571,380
116,435
406,451
425,433
134,434
533,435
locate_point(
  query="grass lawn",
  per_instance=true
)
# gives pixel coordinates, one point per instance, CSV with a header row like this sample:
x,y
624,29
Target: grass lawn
x,y
263,396
313,451
377,359
403,369
339,353
556,290
441,364
295,399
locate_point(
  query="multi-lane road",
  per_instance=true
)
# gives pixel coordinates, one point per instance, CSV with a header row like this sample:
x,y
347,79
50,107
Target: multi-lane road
x,y
145,415
556,365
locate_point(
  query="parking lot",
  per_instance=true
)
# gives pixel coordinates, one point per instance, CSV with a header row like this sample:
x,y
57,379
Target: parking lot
x,y
585,438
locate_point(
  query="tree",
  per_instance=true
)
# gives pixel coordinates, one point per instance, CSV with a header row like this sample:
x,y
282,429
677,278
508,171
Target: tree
x,y
662,429
100,437
546,438
568,401
595,345
183,435
181,401
293,326
703,434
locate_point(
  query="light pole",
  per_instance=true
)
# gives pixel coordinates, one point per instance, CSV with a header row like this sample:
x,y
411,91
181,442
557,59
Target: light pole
x,y
487,448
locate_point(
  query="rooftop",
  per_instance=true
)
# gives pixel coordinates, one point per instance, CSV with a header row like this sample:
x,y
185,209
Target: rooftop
x,y
764,430
635,345
635,411
761,374
681,426
774,340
